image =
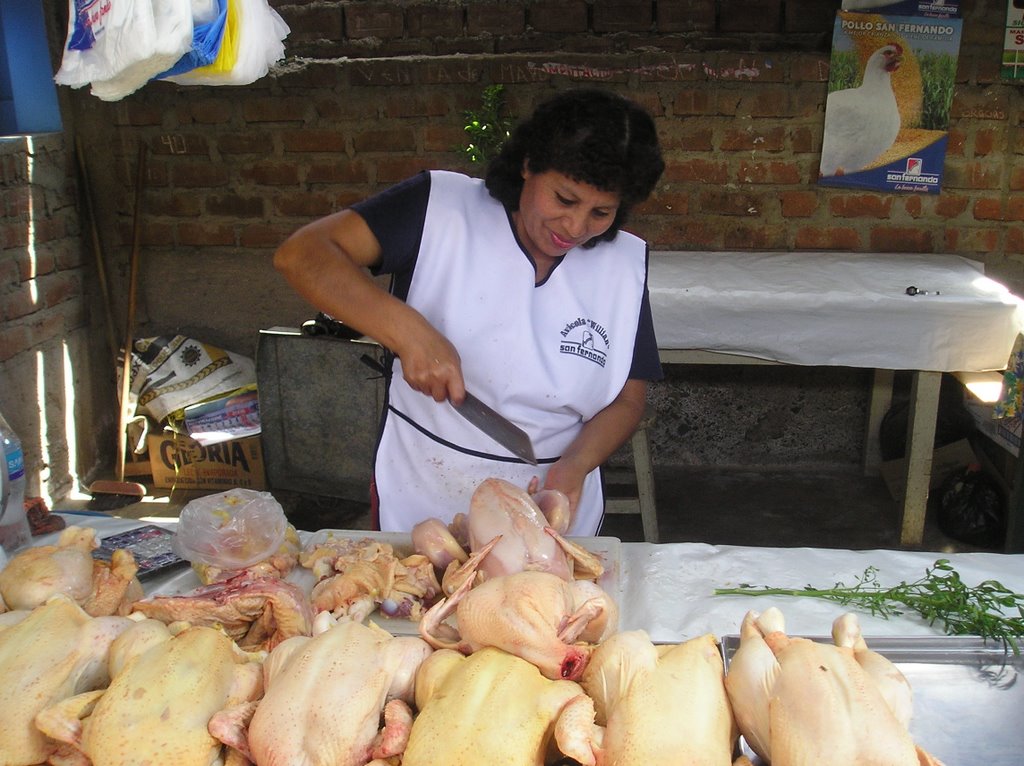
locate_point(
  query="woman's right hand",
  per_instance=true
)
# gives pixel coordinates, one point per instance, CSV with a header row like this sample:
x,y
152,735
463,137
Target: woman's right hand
x,y
431,365
326,261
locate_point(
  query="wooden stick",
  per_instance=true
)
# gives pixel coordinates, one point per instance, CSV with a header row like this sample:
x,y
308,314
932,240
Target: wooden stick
x,y
133,278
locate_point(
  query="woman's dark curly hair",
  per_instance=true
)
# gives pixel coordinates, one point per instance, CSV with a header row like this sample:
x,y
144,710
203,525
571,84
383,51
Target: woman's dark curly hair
x,y
592,136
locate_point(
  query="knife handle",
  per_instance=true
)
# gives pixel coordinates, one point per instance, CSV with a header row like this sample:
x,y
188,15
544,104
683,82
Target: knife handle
x,y
373,364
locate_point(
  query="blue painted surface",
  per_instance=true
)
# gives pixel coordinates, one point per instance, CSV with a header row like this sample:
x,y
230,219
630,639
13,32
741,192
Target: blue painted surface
x,y
28,95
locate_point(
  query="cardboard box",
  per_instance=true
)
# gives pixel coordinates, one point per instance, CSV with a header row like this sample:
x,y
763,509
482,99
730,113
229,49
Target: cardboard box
x,y
183,463
945,461
137,467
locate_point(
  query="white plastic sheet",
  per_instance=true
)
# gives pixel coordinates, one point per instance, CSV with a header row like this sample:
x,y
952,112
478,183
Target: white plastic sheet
x,y
845,309
668,590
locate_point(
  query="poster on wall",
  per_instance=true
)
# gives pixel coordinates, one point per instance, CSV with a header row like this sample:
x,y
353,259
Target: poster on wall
x,y
890,89
939,9
1013,48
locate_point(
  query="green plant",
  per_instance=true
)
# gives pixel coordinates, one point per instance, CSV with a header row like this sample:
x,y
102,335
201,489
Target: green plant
x,y
844,71
938,76
487,129
942,597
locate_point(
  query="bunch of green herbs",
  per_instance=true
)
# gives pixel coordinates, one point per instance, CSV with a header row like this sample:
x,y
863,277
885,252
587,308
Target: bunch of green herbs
x,y
989,609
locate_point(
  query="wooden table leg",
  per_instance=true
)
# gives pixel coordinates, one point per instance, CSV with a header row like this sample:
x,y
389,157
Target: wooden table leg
x,y
924,408
881,401
1015,509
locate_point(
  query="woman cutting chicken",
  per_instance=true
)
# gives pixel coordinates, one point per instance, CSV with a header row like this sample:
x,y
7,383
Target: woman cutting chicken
x,y
520,288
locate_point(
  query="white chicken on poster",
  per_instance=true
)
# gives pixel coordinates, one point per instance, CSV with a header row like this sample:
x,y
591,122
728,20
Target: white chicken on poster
x,y
887,111
862,123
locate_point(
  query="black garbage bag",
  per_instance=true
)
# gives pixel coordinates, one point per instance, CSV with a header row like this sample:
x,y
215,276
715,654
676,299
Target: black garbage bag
x,y
972,508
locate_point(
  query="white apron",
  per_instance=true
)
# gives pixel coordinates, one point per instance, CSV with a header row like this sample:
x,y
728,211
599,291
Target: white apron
x,y
547,357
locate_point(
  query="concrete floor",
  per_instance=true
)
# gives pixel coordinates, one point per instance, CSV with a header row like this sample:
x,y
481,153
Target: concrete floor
x,y
825,509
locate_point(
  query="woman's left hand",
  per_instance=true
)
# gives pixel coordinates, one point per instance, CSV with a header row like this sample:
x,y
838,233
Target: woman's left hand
x,y
564,477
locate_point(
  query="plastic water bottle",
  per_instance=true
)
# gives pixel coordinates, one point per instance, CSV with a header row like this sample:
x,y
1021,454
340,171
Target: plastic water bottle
x,y
3,502
14,529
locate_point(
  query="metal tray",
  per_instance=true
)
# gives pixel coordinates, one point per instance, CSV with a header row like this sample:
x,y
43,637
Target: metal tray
x,y
607,548
967,696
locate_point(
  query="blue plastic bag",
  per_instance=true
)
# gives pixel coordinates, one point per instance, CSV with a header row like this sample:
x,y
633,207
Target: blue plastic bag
x,y
206,40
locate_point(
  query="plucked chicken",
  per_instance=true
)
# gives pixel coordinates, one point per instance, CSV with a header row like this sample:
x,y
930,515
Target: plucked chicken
x,y
354,577
802,703
660,704
36,573
535,615
158,707
862,122
530,528
257,612
325,696
495,708
56,651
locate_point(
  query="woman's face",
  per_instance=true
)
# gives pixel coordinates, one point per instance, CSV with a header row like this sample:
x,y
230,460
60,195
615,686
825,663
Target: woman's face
x,y
557,213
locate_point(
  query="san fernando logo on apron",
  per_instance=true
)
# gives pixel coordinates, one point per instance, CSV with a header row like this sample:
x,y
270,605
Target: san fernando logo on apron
x,y
586,339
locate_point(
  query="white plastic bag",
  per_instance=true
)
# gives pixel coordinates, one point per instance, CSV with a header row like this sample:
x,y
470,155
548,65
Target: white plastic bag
x,y
172,21
260,45
230,530
122,43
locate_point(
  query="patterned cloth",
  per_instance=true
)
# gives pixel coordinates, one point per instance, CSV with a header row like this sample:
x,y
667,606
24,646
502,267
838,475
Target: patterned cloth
x,y
1011,405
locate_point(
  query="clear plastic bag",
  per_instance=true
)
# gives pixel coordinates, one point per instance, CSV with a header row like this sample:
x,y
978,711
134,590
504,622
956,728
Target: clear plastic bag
x,y
231,530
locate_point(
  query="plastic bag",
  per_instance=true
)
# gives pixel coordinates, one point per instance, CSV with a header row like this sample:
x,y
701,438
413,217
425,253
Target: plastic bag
x,y
972,508
170,373
231,530
119,45
209,27
260,44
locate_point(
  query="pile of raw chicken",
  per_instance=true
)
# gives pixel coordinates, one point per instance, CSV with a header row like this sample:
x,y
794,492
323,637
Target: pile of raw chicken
x,y
518,661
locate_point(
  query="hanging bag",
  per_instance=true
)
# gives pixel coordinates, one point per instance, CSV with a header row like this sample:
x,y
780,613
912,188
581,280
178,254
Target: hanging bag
x,y
209,25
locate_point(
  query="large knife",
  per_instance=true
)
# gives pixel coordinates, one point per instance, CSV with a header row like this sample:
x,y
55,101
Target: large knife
x,y
501,429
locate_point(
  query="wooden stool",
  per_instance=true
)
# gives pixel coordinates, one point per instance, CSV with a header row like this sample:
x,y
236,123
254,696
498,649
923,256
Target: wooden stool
x,y
641,475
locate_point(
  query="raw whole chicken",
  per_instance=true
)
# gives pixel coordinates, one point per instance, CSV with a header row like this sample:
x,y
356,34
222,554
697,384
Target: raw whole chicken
x,y
35,574
56,651
256,612
660,704
887,677
535,615
862,122
802,703
495,708
158,707
531,538
325,696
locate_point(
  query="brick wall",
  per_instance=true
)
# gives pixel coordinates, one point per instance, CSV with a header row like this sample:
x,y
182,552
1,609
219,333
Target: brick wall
x,y
48,354
374,91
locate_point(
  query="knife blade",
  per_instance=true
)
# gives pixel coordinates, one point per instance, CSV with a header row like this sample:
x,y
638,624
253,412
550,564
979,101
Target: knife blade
x,y
501,429
498,427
